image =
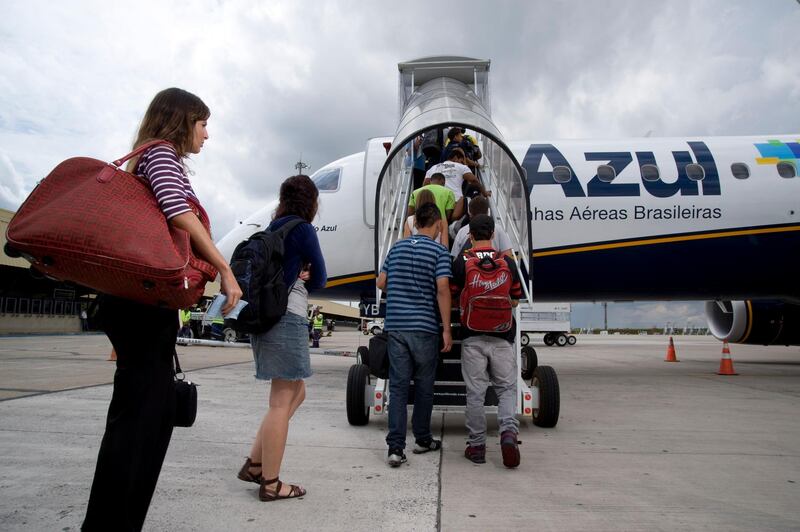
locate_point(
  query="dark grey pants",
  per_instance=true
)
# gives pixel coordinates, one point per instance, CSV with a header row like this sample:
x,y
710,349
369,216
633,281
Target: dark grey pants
x,y
486,360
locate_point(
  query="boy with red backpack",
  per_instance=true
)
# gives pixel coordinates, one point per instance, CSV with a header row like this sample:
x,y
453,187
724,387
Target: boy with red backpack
x,y
490,288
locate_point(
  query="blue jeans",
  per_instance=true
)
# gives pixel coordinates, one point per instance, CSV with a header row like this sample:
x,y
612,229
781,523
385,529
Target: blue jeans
x,y
412,355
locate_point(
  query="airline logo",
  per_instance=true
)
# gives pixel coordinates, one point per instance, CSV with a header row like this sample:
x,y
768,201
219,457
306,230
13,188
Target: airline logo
x,y
682,186
775,151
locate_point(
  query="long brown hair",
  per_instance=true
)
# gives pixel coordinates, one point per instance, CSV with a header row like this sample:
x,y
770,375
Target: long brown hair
x,y
298,196
171,116
424,196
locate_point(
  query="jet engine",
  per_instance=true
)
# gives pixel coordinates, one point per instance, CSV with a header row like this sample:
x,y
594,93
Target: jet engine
x,y
765,322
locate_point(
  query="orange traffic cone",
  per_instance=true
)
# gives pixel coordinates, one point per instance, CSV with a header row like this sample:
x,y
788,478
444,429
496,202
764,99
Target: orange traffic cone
x,y
113,356
726,362
671,352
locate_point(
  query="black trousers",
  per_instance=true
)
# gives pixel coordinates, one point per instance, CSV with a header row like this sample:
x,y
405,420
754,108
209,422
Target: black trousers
x,y
140,416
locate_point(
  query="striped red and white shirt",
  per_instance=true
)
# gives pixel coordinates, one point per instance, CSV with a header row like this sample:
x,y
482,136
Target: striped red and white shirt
x,y
167,175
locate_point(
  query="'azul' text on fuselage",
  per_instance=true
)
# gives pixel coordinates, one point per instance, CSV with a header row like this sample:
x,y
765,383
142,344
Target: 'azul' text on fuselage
x,y
683,185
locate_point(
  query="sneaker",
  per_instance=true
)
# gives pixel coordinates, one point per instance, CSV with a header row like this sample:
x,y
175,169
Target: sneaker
x,y
423,446
509,448
396,457
476,453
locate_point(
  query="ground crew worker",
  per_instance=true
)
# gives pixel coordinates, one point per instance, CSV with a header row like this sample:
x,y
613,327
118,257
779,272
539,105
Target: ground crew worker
x,y
186,318
218,327
318,321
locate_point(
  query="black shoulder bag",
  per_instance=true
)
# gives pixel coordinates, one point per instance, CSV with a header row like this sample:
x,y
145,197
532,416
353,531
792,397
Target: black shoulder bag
x,y
185,398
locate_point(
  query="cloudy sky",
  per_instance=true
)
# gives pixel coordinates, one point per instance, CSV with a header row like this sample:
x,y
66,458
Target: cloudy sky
x,y
317,78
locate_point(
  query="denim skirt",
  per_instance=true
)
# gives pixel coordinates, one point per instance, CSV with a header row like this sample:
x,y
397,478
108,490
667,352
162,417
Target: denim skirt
x,y
282,352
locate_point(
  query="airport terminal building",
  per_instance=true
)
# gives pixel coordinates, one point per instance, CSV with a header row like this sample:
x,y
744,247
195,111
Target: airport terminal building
x,y
31,303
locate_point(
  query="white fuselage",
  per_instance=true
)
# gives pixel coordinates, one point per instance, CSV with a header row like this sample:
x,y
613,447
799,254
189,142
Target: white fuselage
x,y
621,239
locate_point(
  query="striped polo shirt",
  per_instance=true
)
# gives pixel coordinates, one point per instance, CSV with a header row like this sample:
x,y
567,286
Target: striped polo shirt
x,y
412,268
165,171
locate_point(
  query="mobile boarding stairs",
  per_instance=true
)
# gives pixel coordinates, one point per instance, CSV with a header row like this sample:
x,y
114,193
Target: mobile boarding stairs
x,y
437,93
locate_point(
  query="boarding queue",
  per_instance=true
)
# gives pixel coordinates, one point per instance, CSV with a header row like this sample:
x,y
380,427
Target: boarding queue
x,y
265,289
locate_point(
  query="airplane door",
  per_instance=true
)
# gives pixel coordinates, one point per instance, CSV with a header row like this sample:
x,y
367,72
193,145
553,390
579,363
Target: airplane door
x,y
374,157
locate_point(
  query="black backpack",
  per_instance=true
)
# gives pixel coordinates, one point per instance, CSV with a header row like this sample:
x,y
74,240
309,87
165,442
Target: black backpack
x,y
257,264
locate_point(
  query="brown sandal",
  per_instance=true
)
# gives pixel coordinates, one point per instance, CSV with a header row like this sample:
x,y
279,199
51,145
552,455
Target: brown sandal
x,y
268,494
246,475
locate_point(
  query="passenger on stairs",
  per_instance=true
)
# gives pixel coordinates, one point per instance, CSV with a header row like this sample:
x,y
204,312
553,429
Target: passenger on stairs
x,y
445,199
416,279
500,240
456,172
457,138
490,287
409,228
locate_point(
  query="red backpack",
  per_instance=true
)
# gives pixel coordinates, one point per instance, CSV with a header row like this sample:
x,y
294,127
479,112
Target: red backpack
x,y
485,302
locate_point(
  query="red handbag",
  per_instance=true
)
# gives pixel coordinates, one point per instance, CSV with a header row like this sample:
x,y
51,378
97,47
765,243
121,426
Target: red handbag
x,y
94,224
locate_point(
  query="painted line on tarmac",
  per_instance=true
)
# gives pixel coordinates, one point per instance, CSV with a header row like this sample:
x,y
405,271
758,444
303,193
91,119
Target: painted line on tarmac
x,y
47,392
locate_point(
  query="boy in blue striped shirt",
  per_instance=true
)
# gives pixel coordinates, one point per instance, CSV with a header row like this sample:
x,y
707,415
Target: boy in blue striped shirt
x,y
415,277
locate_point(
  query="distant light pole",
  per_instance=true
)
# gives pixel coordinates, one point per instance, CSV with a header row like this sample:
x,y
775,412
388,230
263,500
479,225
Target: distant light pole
x,y
300,166
605,315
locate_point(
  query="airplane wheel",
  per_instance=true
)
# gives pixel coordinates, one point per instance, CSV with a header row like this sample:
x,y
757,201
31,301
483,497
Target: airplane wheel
x,y
375,331
357,406
561,340
524,339
230,336
571,340
549,340
545,379
362,355
529,362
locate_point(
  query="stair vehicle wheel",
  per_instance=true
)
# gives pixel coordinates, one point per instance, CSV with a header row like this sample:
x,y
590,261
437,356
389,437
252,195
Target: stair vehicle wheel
x,y
529,362
229,335
524,339
549,340
546,381
362,355
357,404
571,340
561,340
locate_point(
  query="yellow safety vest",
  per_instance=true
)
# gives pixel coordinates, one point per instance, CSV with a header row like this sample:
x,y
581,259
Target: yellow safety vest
x,y
318,322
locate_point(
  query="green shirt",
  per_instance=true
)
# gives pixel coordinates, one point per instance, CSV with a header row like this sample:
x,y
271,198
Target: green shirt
x,y
445,199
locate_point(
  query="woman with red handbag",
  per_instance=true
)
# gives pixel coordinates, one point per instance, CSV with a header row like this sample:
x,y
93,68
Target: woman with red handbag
x,y
142,410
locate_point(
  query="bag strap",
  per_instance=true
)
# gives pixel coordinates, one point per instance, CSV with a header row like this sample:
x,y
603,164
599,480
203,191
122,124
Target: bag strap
x,y
178,369
288,226
139,150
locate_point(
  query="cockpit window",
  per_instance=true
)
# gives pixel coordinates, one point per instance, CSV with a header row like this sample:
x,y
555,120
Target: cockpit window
x,y
327,180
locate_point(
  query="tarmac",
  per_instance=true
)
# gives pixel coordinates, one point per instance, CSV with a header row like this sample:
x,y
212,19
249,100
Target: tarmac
x,y
641,444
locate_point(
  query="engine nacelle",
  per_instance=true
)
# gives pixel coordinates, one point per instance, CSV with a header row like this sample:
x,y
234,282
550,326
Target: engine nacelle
x,y
754,322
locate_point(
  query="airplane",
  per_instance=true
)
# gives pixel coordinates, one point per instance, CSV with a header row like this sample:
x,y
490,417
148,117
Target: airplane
x,y
684,218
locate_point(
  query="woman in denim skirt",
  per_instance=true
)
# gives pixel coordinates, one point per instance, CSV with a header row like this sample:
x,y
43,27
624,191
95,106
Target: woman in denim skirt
x,y
281,354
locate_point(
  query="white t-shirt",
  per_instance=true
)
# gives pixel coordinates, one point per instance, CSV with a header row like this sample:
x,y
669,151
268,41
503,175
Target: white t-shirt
x,y
500,240
453,173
